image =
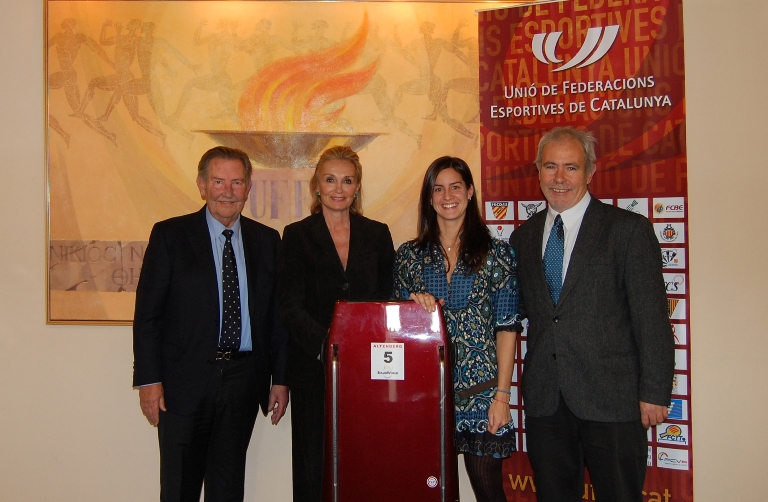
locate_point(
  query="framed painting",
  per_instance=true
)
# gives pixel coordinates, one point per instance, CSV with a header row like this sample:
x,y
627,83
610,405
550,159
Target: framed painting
x,y
136,91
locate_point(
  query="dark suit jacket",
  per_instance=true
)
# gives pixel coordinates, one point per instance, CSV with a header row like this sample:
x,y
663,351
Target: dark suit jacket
x,y
312,279
608,343
176,321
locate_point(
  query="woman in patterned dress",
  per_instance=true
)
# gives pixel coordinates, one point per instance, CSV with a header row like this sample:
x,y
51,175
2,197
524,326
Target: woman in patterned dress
x,y
455,262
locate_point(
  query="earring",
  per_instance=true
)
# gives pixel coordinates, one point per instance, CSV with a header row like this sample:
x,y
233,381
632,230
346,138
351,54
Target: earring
x,y
355,195
317,192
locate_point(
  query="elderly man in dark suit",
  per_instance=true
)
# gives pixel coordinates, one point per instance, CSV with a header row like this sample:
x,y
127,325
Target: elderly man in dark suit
x,y
209,347
599,366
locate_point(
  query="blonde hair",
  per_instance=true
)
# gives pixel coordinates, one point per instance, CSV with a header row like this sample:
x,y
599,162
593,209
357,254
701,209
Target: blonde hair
x,y
337,153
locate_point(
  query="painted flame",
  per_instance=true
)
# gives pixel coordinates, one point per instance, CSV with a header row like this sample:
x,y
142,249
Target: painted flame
x,y
292,94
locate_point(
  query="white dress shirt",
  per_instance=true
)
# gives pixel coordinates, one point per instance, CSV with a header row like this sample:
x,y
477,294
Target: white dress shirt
x,y
572,219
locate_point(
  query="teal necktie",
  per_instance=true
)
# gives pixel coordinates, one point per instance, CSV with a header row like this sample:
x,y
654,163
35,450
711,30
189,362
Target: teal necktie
x,y
553,259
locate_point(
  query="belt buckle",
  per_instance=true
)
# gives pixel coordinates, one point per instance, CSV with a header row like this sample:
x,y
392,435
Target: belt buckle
x,y
223,355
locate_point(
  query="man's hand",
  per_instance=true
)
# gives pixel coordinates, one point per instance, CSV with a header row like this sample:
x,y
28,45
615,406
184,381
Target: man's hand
x,y
152,400
652,414
278,402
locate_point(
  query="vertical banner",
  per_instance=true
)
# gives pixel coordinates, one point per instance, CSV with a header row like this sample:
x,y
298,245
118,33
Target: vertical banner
x,y
616,68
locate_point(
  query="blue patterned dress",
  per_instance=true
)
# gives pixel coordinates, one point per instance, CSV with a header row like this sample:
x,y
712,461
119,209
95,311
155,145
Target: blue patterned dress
x,y
476,307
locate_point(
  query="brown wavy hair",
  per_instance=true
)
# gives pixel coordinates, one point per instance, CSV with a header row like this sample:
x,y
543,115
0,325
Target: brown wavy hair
x,y
475,237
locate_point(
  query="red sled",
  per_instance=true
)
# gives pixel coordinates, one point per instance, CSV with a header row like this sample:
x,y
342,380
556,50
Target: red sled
x,y
389,416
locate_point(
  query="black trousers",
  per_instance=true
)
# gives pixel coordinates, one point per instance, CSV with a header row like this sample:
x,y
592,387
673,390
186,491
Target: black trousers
x,y
211,443
307,429
615,453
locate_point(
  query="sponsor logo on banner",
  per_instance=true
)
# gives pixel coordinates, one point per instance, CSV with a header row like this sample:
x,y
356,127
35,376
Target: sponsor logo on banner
x,y
681,359
672,434
501,232
650,457
678,410
676,308
680,331
596,45
528,208
673,257
680,385
669,207
607,201
670,232
669,458
639,206
675,284
500,210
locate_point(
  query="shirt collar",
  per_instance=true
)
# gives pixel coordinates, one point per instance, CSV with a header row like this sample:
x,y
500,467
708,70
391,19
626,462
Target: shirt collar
x,y
216,227
572,215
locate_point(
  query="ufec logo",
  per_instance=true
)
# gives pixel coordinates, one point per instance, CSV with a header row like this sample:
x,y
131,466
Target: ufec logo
x,y
596,45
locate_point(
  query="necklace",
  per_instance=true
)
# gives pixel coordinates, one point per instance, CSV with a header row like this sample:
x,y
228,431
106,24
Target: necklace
x,y
449,248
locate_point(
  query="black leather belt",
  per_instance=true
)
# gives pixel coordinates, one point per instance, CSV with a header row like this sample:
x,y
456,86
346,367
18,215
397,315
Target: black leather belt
x,y
226,355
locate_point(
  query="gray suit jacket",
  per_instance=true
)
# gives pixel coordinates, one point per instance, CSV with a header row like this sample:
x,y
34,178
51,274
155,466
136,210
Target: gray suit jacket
x,y
608,343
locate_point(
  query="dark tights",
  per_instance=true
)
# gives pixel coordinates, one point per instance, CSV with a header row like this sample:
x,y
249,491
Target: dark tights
x,y
486,478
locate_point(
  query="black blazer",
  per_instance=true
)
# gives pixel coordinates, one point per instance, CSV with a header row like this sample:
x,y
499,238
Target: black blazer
x,y
312,279
176,321
608,343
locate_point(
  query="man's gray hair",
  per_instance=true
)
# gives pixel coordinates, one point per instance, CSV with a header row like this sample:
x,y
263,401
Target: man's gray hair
x,y
223,152
585,138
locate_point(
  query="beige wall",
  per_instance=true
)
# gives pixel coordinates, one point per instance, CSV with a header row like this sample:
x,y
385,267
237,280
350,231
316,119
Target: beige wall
x,y
70,427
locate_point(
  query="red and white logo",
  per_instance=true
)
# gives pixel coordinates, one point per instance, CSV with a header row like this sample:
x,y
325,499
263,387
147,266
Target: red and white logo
x,y
501,232
596,45
500,210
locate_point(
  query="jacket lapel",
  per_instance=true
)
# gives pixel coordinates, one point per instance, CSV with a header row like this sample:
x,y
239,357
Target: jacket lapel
x,y
252,249
589,232
355,241
200,244
322,235
534,248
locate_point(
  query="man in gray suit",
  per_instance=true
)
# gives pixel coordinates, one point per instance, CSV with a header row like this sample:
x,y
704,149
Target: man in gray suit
x,y
599,366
